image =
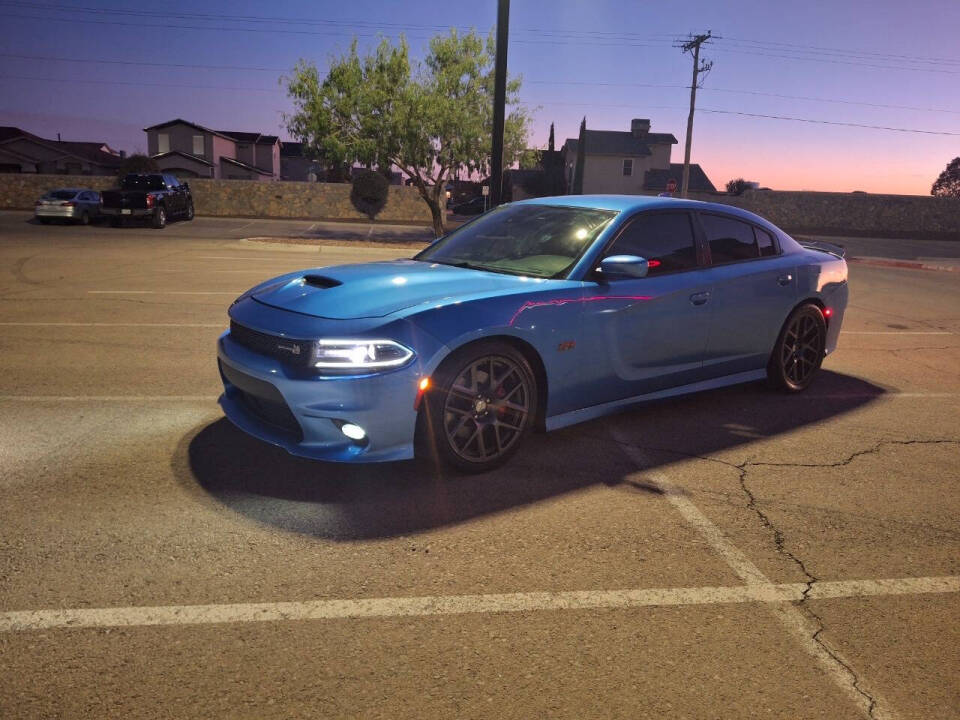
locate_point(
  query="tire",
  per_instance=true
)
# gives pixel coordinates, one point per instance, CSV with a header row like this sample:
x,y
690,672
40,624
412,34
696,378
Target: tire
x,y
799,350
85,218
159,218
44,220
189,215
480,426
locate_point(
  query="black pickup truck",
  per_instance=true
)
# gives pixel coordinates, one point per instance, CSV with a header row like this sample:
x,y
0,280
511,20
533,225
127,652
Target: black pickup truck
x,y
157,196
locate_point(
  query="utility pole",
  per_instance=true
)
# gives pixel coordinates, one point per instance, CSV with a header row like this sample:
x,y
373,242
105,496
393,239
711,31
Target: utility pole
x,y
499,100
693,45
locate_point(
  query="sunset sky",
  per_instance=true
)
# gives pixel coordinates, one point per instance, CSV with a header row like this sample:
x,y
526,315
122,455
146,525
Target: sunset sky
x,y
880,63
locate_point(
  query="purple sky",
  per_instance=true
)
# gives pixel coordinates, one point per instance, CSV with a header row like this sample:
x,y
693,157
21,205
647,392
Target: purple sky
x,y
596,59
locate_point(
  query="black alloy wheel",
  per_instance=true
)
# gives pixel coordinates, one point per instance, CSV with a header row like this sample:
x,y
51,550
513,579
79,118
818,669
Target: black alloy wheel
x,y
483,403
190,211
85,218
799,351
160,218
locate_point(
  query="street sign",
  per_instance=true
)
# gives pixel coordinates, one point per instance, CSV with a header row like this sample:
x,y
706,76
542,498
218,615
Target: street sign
x,y
485,190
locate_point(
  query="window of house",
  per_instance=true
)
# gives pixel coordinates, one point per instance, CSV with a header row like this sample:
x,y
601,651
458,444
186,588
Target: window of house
x,y
730,240
765,241
163,142
627,167
198,145
664,239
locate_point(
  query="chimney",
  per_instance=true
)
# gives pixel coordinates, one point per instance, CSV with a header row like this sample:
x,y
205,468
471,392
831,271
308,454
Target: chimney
x,y
123,154
58,137
639,128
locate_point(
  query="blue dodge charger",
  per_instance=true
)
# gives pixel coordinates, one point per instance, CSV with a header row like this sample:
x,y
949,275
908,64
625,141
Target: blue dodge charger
x,y
536,315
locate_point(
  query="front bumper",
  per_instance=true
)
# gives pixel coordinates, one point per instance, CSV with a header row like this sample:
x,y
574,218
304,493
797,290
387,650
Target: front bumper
x,y
301,413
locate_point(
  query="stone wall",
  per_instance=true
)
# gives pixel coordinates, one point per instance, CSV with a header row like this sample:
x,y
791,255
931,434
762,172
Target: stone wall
x,y
851,214
236,198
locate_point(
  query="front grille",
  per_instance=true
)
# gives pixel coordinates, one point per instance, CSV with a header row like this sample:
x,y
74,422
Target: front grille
x,y
297,353
263,401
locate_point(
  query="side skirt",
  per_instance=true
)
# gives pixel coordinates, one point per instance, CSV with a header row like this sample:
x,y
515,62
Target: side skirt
x,y
589,413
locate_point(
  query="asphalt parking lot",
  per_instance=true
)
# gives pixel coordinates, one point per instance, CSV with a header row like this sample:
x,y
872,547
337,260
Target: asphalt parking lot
x,y
733,554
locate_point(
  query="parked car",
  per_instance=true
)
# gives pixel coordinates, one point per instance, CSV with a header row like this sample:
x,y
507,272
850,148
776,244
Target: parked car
x,y
157,197
536,315
473,206
77,205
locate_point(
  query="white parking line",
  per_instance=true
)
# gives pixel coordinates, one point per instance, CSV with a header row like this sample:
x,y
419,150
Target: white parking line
x,y
107,324
19,621
109,398
160,292
798,624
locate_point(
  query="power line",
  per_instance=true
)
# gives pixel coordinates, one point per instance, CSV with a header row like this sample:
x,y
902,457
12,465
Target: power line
x,y
138,83
191,66
832,122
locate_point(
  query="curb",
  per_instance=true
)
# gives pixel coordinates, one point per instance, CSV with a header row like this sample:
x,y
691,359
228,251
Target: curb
x,y
906,264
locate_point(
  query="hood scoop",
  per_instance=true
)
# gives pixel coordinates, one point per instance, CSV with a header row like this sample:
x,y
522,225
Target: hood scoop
x,y
320,281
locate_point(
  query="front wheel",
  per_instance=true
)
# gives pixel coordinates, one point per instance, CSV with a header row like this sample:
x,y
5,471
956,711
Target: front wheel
x,y
483,403
190,211
798,353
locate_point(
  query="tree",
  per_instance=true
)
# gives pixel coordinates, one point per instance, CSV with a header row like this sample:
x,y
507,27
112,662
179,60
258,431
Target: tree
x,y
948,184
137,163
430,121
370,192
581,154
550,142
738,186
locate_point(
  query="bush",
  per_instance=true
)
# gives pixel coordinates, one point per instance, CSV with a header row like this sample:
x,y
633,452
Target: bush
x,y
138,163
737,187
370,192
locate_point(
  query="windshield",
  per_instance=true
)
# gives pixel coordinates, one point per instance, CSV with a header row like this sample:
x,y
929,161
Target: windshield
x,y
143,182
534,240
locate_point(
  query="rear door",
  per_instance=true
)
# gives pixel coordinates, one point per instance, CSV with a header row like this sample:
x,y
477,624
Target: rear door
x,y
648,334
754,289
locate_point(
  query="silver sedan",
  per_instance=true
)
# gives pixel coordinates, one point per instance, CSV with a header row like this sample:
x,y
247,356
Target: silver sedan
x,y
76,205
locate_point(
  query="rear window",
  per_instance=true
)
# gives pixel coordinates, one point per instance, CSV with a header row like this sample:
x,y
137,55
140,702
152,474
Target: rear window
x,y
765,241
730,240
143,182
61,194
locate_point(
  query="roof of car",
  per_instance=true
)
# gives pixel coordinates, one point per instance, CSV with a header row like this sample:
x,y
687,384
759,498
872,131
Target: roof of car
x,y
626,203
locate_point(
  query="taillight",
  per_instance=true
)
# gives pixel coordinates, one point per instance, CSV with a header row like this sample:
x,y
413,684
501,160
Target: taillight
x,y
150,201
68,204
38,202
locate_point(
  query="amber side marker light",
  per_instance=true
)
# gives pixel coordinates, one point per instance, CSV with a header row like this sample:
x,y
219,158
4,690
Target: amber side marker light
x,y
422,387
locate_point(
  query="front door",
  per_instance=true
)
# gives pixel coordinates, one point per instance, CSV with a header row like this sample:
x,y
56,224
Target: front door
x,y
648,334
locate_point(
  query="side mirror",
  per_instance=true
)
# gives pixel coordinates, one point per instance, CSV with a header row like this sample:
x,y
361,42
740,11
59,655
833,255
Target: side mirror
x,y
185,186
624,265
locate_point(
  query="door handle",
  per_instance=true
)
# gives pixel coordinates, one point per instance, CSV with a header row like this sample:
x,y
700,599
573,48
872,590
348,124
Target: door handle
x,y
785,279
699,298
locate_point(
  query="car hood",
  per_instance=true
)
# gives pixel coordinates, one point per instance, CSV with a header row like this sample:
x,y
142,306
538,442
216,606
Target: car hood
x,y
377,289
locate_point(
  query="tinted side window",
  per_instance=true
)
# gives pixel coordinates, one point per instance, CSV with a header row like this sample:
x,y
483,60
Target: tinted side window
x,y
730,240
765,242
664,239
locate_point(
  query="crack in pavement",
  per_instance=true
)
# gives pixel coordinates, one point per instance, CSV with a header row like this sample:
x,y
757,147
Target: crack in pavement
x,y
816,636
780,545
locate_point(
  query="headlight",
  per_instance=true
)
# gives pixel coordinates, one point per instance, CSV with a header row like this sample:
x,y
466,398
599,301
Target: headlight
x,y
360,354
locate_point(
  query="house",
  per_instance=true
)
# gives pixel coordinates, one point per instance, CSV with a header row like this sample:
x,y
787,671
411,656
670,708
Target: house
x,y
190,150
23,152
629,163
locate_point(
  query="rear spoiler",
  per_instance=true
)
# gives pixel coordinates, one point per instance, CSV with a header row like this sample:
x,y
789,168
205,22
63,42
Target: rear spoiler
x,y
837,250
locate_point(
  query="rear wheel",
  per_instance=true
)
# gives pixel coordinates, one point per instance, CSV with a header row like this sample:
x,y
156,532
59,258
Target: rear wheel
x,y
190,211
798,353
85,218
160,218
483,404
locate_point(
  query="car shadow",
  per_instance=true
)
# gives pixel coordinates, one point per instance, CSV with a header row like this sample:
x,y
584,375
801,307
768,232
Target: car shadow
x,y
351,502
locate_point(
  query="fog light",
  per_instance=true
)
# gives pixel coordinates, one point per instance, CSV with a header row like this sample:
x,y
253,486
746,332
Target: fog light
x,y
354,432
